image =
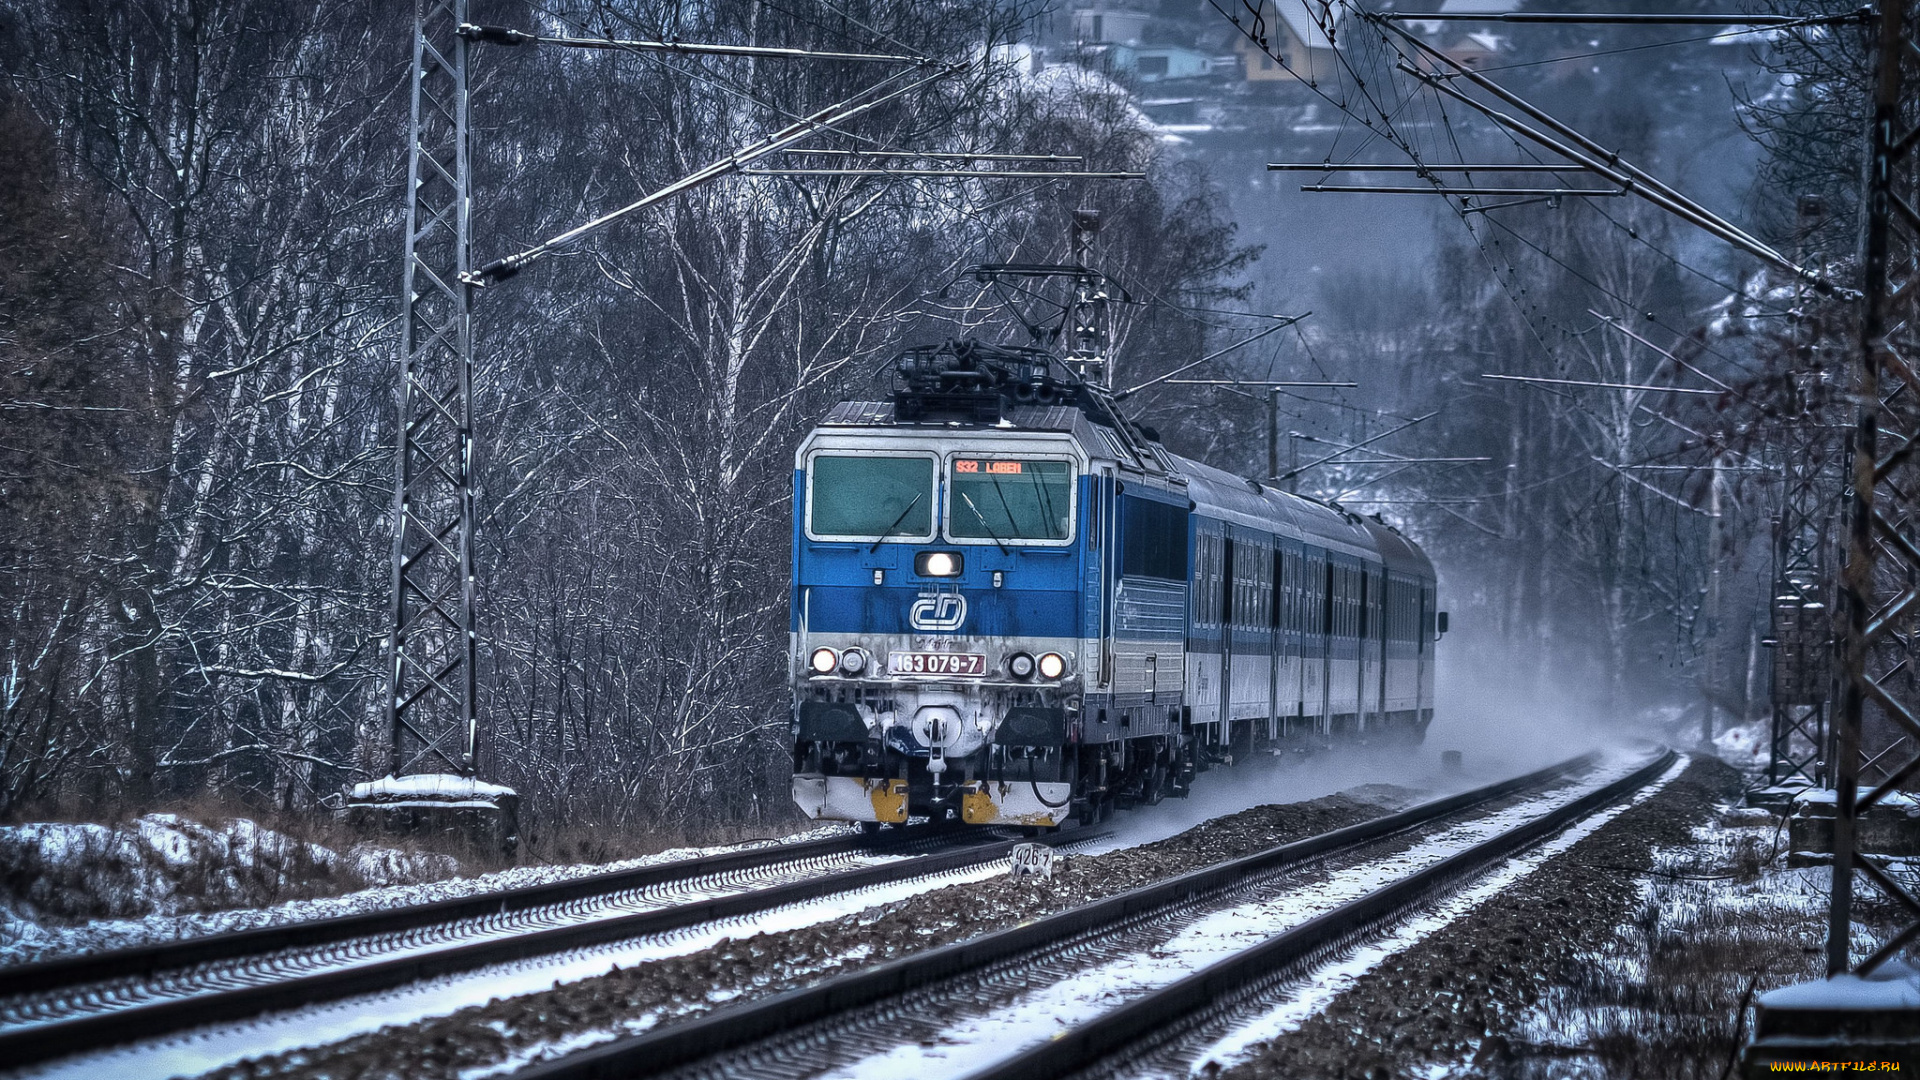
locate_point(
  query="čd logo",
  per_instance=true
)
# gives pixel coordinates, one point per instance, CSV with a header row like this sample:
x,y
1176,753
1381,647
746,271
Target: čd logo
x,y
938,611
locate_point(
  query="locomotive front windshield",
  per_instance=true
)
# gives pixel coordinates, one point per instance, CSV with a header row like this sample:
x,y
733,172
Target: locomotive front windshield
x,y
1002,499
866,496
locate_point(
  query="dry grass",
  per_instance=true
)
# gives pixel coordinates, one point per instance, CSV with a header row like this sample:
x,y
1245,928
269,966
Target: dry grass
x,y
1669,995
218,865
1539,980
194,856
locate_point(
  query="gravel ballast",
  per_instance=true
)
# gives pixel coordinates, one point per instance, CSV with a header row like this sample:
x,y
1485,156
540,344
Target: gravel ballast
x,y
506,1033
1509,989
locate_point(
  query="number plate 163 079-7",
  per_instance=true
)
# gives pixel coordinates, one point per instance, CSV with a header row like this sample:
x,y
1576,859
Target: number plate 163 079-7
x,y
972,665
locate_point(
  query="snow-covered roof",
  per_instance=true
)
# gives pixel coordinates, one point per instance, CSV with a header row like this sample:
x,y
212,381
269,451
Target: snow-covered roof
x,y
1900,801
1299,17
1895,991
1239,500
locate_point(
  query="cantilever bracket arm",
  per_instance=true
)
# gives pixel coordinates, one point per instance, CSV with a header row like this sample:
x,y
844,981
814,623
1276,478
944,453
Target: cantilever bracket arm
x,y
506,35
1592,155
1291,473
1284,322
865,101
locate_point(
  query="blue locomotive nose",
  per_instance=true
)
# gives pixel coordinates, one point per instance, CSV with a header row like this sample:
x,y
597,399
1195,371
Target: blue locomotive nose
x,y
1019,613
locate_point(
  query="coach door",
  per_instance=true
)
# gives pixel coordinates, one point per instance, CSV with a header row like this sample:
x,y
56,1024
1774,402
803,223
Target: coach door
x,y
1289,638
1104,574
1252,686
1276,638
1227,617
1328,610
1311,619
1371,659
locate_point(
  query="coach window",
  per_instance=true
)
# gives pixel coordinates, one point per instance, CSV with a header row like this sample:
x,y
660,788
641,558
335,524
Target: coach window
x,y
1153,543
1010,500
870,497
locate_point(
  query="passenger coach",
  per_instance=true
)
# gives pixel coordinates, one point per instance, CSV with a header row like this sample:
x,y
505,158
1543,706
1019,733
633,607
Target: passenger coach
x,y
1011,605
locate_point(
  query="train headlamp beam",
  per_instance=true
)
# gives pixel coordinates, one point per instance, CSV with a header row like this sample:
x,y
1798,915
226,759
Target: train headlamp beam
x,y
503,35
938,564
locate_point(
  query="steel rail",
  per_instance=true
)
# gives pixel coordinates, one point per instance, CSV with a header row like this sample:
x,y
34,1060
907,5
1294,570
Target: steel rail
x,y
169,955
41,1041
735,1028
1166,1015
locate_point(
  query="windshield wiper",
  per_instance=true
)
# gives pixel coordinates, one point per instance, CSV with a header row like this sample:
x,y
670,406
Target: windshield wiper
x,y
896,522
1012,525
1045,499
968,499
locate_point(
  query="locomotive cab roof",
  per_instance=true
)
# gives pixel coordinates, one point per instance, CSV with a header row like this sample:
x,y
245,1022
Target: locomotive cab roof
x,y
967,384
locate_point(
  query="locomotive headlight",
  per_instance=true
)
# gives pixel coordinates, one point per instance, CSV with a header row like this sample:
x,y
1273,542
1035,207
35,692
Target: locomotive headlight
x,y
937,564
1020,665
823,661
1052,665
853,661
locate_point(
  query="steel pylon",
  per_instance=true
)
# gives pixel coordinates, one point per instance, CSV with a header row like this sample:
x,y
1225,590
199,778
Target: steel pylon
x,y
1807,445
430,644
1877,724
1802,605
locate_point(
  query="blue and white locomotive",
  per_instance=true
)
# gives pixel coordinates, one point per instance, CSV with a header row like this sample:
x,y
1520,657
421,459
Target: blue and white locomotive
x,y
1011,605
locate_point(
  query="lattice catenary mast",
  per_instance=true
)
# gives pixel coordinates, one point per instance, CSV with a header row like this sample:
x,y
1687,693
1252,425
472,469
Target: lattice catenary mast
x,y
430,647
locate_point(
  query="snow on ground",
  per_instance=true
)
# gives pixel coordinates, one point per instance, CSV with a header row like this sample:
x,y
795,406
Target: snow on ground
x,y
213,1047
973,1042
1689,897
1217,793
1279,780
142,863
1290,778
1744,746
158,876
1330,981
134,882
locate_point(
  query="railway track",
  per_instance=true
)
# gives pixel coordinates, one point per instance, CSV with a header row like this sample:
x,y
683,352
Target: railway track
x,y
53,1009
835,1026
